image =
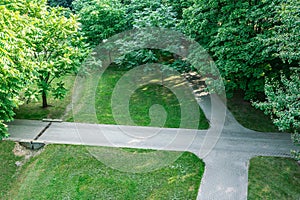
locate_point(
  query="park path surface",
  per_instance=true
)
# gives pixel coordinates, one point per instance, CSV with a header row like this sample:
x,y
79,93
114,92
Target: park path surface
x,y
226,147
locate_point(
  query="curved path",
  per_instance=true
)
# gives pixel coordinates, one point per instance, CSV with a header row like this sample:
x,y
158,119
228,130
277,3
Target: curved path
x,y
226,164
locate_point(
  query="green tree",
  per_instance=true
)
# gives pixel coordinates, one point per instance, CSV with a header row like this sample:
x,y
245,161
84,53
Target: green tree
x,y
248,40
57,50
283,105
100,19
143,14
16,70
37,45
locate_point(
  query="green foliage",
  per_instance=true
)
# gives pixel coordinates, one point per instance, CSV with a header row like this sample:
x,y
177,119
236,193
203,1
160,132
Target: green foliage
x,y
178,6
151,13
283,105
16,70
248,40
37,44
249,116
33,110
144,14
62,3
57,50
284,42
100,19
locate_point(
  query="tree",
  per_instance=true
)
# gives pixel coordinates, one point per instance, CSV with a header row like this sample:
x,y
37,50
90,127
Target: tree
x,y
143,14
16,69
37,45
57,50
248,40
283,105
100,19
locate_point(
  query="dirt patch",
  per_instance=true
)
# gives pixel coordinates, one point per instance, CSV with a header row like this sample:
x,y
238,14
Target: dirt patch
x,y
22,151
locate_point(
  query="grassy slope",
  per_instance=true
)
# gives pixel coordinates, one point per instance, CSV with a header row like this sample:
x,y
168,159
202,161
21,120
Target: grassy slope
x,y
70,172
8,169
273,178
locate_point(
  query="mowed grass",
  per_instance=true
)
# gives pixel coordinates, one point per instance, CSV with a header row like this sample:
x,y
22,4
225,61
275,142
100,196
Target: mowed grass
x,y
8,169
140,102
56,109
273,178
249,116
70,172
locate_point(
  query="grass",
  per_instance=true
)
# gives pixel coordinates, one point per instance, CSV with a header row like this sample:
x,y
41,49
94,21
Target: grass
x,y
8,169
70,172
248,116
140,102
273,178
56,110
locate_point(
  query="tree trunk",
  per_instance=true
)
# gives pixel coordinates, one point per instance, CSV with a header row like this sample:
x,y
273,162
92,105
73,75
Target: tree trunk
x,y
44,97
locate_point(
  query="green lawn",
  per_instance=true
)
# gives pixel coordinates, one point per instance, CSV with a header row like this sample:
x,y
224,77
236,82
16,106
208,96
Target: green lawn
x,y
273,178
8,169
70,172
269,177
140,102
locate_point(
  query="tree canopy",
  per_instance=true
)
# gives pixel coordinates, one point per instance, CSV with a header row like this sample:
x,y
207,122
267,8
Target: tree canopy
x,y
16,70
100,19
37,44
249,40
57,49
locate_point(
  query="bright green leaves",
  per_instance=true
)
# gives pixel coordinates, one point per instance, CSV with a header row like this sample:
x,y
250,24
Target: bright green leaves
x,y
15,67
57,49
162,16
37,44
59,91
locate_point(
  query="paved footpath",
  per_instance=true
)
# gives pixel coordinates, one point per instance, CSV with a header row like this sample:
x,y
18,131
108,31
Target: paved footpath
x,y
225,147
